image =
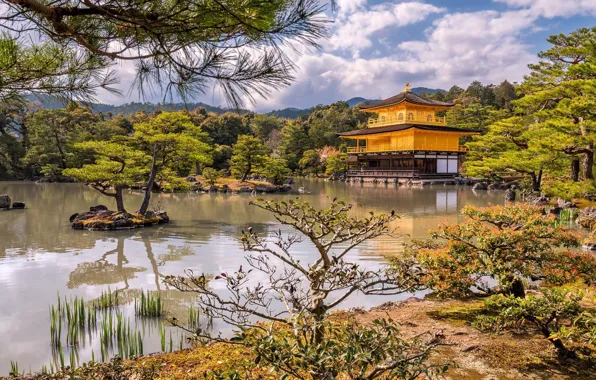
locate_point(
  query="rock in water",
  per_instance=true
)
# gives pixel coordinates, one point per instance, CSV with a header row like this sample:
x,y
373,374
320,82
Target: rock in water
x,y
18,205
163,216
98,208
480,186
4,201
510,195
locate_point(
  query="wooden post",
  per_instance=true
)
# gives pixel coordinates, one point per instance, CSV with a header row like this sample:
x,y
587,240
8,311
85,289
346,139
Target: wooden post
x,y
357,145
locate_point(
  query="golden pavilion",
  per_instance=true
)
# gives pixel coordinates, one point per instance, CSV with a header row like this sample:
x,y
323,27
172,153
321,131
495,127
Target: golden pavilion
x,y
405,138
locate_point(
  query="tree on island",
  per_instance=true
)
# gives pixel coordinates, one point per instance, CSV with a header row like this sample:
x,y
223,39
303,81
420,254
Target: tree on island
x,y
156,146
117,166
168,138
181,47
286,319
249,155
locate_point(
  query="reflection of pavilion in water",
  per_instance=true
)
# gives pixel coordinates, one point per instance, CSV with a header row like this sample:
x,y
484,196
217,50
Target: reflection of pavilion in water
x,y
420,210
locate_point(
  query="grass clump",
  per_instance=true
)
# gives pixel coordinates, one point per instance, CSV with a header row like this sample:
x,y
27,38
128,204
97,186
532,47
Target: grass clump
x,y
149,305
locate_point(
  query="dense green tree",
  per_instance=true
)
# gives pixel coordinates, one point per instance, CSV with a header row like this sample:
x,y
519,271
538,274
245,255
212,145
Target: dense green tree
x,y
508,149
484,94
116,167
53,133
225,129
326,122
249,155
504,94
169,139
181,47
221,156
559,94
336,164
294,142
276,170
453,93
263,125
310,162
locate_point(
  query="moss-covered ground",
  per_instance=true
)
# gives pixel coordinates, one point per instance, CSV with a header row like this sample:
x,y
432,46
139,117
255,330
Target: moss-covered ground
x,y
477,355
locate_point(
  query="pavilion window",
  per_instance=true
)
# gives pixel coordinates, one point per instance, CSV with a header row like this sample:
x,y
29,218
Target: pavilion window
x,y
410,116
429,118
400,117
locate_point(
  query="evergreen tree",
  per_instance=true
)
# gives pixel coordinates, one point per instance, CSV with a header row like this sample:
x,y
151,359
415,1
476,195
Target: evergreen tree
x,y
181,46
169,138
560,94
249,155
116,167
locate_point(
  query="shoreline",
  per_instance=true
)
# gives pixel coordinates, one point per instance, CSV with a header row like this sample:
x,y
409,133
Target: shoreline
x,y
477,355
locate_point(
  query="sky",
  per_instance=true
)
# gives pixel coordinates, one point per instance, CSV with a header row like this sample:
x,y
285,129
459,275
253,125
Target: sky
x,y
378,45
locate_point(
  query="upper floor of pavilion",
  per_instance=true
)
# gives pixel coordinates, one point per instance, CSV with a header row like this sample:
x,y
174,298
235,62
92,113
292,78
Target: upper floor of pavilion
x,y
406,108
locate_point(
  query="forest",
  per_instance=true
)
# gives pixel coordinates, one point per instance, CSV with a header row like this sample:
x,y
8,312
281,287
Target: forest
x,y
39,142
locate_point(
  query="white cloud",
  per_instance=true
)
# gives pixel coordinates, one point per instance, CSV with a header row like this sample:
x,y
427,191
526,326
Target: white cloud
x,y
554,8
355,30
349,6
456,49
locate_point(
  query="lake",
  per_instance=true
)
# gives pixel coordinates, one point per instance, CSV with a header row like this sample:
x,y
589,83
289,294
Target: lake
x,y
41,257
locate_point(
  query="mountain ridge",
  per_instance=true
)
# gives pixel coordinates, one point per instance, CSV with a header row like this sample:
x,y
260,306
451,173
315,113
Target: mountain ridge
x,y
49,102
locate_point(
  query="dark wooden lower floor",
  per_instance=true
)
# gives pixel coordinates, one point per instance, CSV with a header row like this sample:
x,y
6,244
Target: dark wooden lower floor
x,y
415,165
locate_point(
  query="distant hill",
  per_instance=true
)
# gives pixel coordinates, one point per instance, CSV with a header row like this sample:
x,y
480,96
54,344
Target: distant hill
x,y
290,112
355,101
426,90
49,102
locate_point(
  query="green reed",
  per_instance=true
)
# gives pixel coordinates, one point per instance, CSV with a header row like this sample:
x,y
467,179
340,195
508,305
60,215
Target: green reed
x,y
162,336
107,300
567,215
14,368
149,305
193,318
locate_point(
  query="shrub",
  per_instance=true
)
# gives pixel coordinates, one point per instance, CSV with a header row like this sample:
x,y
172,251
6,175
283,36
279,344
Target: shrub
x,y
497,249
297,336
544,313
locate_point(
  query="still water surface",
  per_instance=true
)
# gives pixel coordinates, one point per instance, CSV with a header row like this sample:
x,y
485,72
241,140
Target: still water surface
x,y
41,256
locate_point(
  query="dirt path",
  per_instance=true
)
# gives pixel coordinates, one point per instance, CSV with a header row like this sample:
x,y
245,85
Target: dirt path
x,y
479,355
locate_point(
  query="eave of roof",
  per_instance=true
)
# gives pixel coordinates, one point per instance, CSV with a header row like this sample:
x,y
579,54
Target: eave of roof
x,y
403,127
406,97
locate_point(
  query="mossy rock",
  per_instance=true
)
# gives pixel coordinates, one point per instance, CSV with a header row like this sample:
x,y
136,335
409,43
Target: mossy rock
x,y
106,220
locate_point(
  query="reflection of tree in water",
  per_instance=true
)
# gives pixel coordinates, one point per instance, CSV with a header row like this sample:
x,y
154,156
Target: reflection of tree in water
x,y
101,272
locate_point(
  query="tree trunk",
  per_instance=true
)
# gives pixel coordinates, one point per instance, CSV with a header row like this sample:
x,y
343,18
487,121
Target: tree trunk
x,y
588,163
516,289
575,170
149,188
119,199
536,180
60,150
246,172
562,351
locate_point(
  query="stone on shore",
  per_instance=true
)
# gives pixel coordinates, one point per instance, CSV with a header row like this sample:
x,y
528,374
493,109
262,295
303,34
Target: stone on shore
x,y
4,201
510,195
587,218
18,205
106,220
